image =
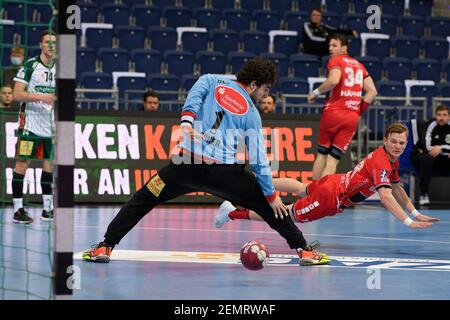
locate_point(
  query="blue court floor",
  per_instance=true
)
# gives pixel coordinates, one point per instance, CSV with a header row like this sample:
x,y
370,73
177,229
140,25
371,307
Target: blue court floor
x,y
176,253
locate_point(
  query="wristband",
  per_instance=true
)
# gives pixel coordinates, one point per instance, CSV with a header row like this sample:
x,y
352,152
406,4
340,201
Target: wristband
x,y
415,213
185,124
316,92
408,221
271,198
364,106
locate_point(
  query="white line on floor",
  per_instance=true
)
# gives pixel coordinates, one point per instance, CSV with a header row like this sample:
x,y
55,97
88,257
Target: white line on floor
x,y
271,232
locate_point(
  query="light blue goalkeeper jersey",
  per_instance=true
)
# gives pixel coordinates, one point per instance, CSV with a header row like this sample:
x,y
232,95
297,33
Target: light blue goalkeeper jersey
x,y
224,113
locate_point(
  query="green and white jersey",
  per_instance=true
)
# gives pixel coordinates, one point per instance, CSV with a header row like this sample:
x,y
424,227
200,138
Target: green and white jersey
x,y
37,117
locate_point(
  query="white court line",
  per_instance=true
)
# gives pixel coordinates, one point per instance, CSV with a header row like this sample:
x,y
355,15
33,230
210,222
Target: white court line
x,y
272,232
280,260
383,268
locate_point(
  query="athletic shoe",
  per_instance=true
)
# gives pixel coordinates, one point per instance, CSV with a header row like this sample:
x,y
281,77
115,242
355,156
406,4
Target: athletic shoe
x,y
47,215
312,258
222,214
99,253
22,217
424,200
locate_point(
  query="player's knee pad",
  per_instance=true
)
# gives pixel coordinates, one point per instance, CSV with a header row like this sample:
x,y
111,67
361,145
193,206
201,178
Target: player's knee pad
x,y
336,153
323,150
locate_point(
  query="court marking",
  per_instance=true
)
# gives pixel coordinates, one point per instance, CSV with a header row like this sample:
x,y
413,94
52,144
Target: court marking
x,y
271,232
285,260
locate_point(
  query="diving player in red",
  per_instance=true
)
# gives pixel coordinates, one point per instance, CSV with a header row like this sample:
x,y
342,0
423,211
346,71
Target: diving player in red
x,y
347,78
378,172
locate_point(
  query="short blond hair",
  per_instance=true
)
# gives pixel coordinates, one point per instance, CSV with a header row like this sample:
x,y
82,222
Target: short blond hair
x,y
396,128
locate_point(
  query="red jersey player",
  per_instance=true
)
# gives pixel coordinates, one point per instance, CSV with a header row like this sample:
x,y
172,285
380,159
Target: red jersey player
x,y
347,78
378,172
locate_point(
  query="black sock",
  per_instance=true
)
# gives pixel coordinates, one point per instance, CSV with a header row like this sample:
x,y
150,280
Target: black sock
x,y
17,185
46,182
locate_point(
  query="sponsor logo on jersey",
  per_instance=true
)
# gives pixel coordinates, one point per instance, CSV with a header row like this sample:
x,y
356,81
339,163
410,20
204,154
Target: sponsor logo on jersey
x,y
44,89
447,139
350,93
231,100
352,104
350,60
383,175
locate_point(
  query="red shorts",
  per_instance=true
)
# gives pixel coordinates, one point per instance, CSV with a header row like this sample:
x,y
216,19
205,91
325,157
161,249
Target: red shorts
x,y
337,128
322,200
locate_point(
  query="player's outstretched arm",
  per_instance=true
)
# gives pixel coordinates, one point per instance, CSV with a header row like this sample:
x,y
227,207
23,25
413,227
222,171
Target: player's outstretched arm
x,y
401,197
389,202
406,203
423,217
290,185
333,79
370,90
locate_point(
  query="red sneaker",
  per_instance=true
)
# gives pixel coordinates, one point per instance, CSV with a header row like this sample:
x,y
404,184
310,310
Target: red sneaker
x,y
99,253
310,258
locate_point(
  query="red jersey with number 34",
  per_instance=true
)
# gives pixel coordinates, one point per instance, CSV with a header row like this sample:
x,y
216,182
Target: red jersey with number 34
x,y
371,173
346,95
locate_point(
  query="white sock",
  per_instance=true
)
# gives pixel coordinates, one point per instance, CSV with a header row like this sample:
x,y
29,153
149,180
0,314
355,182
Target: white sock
x,y
18,203
47,202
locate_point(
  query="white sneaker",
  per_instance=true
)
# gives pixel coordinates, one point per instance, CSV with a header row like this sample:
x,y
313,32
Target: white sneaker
x,y
222,214
424,200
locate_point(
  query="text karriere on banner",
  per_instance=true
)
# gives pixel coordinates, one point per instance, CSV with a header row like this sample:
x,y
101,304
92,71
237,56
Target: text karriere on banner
x,y
120,141
159,142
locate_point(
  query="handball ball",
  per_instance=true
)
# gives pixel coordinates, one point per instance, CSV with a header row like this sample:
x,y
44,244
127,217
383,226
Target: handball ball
x,y
254,255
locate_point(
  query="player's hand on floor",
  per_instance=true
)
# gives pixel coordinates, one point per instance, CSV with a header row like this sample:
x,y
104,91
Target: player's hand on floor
x,y
279,208
420,225
425,218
